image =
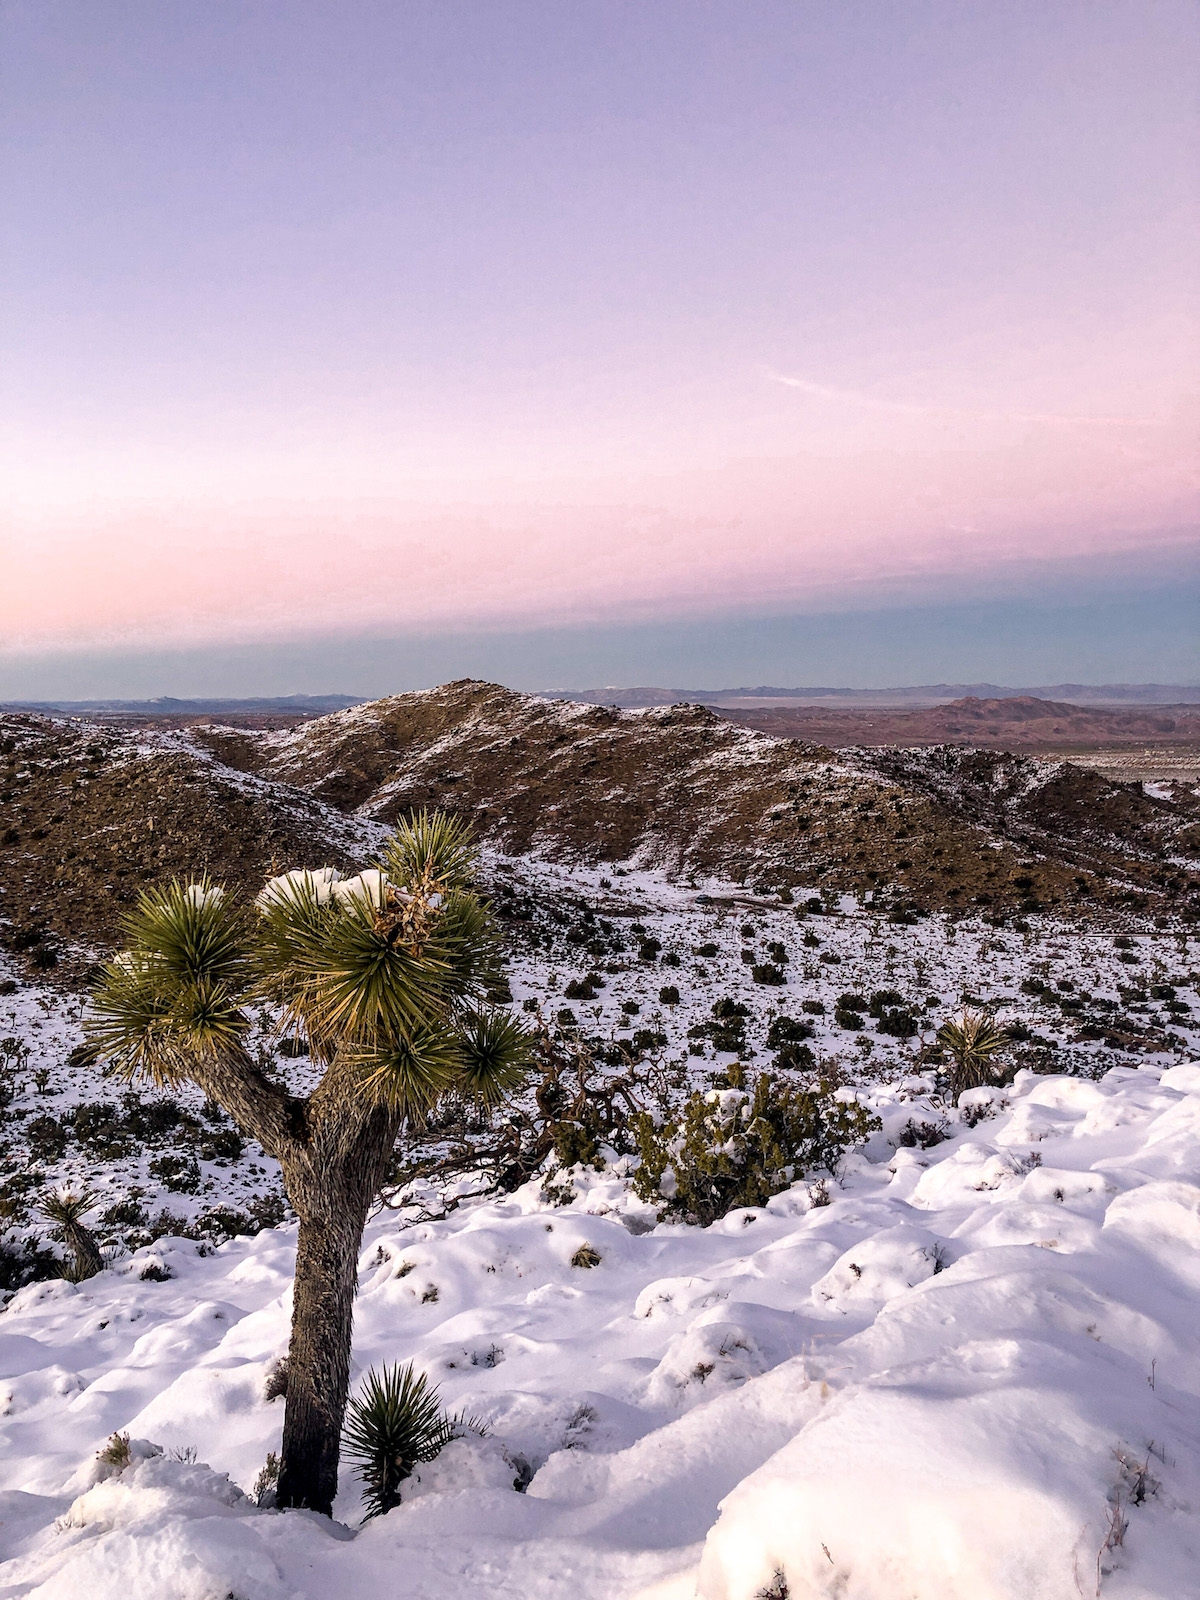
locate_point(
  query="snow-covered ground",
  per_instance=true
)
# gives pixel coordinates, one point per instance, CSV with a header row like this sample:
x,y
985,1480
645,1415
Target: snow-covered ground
x,y
973,1374
1090,986
1106,975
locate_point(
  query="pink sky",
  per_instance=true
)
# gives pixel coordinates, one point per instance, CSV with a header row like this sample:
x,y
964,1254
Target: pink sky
x,y
413,318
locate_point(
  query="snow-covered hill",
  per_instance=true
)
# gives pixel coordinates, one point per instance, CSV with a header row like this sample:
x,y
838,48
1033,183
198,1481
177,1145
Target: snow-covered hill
x,y
973,1374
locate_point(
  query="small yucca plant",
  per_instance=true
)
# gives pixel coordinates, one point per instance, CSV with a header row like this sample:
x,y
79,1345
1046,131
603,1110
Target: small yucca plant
x,y
395,1422
972,1042
67,1210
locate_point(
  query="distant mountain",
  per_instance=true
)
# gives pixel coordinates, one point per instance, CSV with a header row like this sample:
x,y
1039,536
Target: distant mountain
x,y
1017,722
168,706
683,788
929,694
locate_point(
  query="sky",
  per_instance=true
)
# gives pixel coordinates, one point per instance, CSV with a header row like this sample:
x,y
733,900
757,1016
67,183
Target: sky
x,y
351,347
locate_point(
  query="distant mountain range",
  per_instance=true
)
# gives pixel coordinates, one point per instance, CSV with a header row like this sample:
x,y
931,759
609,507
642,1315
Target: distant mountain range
x,y
767,696
929,694
168,706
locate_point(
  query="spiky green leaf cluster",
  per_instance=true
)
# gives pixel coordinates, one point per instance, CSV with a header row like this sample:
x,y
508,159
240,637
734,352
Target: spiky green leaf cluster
x,y
177,990
972,1042
382,975
394,1423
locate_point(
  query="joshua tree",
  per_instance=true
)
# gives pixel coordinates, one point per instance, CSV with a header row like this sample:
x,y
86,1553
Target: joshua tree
x,y
68,1210
971,1042
382,973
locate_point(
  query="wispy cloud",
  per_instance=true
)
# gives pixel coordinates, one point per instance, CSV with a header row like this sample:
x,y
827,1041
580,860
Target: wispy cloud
x,y
908,408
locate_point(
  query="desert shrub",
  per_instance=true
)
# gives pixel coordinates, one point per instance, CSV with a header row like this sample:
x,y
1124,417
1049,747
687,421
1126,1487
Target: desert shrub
x,y
101,1130
900,1023
267,1210
764,972
46,1137
785,1036
26,1262
226,1144
180,1174
116,1453
580,989
223,1222
778,953
671,959
883,1000
648,949
648,1039
813,1008
265,1485
737,1147
577,1110
127,1213
151,1119
668,995
922,1134
725,1009
727,1030
395,1422
630,1007
786,1030
275,1384
708,950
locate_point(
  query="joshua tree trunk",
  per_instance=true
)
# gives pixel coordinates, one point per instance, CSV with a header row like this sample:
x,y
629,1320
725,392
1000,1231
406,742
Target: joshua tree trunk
x,y
331,1185
334,1149
318,1370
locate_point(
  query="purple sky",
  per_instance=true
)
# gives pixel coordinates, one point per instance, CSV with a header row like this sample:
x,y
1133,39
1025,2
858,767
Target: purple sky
x,y
324,322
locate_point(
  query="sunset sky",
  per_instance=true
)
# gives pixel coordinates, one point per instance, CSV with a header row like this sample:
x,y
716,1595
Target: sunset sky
x,y
354,346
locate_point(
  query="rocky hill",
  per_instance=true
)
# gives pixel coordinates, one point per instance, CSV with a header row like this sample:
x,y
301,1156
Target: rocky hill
x,y
89,816
682,788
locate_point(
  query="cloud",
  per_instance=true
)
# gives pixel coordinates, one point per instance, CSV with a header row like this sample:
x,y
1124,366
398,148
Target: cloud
x,y
908,408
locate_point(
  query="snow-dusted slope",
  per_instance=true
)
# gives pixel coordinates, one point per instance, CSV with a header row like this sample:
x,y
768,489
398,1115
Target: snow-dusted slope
x,y
974,1374
152,1158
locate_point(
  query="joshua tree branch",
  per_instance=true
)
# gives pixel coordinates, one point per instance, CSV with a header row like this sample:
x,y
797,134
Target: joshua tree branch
x,y
261,1108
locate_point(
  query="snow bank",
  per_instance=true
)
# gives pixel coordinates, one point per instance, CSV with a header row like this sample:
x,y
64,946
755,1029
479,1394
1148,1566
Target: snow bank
x,y
973,1375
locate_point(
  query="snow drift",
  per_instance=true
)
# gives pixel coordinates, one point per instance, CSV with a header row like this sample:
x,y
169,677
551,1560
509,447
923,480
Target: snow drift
x,y
973,1375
